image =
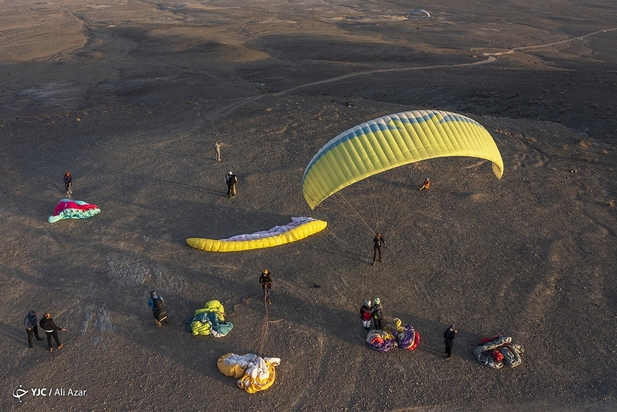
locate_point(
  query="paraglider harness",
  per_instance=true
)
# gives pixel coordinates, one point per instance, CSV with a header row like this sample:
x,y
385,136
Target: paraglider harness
x,y
159,311
231,180
231,185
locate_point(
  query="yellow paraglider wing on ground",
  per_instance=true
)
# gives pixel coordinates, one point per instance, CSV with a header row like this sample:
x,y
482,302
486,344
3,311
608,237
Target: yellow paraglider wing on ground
x,y
300,228
391,141
230,369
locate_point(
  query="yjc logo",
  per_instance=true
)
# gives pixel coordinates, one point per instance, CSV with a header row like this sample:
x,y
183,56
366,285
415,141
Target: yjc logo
x,y
19,392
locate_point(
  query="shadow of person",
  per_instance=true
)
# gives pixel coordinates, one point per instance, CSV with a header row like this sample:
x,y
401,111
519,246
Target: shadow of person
x,y
13,333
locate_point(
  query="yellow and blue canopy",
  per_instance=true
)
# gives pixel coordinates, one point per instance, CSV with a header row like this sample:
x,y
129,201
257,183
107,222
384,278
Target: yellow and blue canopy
x,y
391,141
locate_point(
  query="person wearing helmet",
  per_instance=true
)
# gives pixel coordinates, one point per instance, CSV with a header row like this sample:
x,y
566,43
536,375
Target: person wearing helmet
x,y
426,185
377,313
448,340
68,184
378,241
366,313
265,280
231,181
159,311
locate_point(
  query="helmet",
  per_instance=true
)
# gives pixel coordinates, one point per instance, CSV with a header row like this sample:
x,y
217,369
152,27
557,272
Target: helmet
x,y
377,301
428,178
265,272
367,303
229,173
68,173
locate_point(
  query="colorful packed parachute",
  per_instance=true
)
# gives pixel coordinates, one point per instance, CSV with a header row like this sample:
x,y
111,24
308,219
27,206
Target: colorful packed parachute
x,y
209,320
299,228
380,340
407,338
392,141
73,209
392,336
252,372
497,351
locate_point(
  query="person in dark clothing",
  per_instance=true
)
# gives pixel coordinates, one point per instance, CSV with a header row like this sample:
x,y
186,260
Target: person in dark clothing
x,y
366,312
159,311
50,328
378,241
448,339
377,313
30,323
231,181
68,184
265,280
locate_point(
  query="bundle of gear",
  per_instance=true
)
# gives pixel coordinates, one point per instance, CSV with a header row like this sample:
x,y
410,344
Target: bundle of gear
x,y
253,373
497,351
392,336
209,320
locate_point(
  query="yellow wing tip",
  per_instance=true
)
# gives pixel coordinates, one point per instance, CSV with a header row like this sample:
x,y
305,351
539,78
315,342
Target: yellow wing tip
x,y
498,170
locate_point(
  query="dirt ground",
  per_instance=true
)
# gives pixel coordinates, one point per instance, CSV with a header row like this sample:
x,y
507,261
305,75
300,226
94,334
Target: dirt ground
x,y
130,96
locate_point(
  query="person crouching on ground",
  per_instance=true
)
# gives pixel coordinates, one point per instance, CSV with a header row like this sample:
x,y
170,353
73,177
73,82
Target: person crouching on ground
x,y
426,185
50,328
159,311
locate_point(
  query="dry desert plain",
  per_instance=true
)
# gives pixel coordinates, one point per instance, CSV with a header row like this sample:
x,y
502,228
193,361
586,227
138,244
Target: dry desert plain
x,y
130,96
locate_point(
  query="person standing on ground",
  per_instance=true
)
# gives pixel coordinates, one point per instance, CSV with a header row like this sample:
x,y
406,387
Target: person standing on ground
x,y
217,149
231,181
50,328
377,313
366,312
68,184
30,323
378,241
159,311
426,185
265,280
448,339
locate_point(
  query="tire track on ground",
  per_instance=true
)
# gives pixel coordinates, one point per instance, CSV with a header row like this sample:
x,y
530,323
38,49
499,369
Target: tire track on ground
x,y
491,57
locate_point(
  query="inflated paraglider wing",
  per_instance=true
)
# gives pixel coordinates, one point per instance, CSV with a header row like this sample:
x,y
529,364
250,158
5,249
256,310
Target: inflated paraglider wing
x,y
418,13
391,141
299,228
